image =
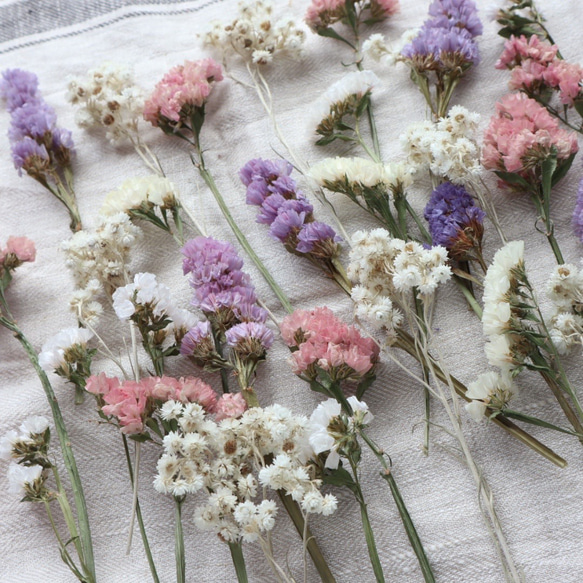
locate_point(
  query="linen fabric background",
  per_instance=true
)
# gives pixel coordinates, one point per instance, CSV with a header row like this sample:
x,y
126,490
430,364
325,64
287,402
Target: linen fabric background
x,y
539,505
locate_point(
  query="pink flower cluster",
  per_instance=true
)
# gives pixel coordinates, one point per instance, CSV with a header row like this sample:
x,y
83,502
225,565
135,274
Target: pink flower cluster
x,y
17,251
521,135
230,406
324,341
536,67
323,13
131,402
182,89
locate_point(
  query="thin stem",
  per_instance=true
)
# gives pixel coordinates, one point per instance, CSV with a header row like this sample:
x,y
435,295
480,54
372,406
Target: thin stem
x,y
139,514
179,542
238,561
366,526
138,449
469,296
405,517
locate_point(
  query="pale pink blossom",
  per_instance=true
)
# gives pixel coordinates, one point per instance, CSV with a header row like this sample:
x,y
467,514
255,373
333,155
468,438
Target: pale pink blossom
x,y
20,248
521,135
230,405
193,390
567,78
183,88
518,49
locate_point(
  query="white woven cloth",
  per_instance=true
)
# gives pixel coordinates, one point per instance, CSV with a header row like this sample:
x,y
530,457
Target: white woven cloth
x,y
539,505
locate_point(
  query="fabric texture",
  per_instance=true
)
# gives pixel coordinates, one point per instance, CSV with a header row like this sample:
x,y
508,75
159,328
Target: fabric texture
x,y
538,504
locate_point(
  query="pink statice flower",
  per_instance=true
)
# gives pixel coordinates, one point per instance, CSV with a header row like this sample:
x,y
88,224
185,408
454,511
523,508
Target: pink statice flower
x,y
132,402
519,49
18,250
520,137
566,78
324,13
230,406
328,343
183,89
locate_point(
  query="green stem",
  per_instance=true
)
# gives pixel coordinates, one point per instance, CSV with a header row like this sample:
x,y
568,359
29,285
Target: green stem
x,y
470,299
65,443
405,517
179,542
238,561
549,233
424,232
207,177
139,514
427,394
366,526
313,548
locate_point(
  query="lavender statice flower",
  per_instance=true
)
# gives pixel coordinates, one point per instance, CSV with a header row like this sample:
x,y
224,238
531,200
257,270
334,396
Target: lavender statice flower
x,y
39,147
578,213
455,222
456,13
248,331
18,87
286,209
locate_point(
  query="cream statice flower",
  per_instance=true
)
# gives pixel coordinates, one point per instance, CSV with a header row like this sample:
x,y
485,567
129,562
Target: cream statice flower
x,y
380,50
489,390
565,290
335,432
63,349
26,481
29,442
392,267
345,98
141,194
448,148
226,461
108,97
256,35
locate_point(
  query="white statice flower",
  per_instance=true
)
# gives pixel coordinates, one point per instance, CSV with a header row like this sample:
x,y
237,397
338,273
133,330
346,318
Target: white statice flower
x,y
7,443
376,309
448,148
29,441
225,463
35,425
352,175
25,480
375,47
500,353
489,390
141,193
342,98
108,97
256,35
84,303
101,257
56,350
144,291
331,430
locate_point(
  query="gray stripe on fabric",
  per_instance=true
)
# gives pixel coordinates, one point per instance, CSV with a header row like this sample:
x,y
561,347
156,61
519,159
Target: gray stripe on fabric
x,y
26,17
114,19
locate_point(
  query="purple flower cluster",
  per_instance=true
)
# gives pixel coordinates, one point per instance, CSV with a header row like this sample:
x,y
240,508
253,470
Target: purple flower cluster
x,y
285,208
454,221
37,143
217,279
447,39
578,213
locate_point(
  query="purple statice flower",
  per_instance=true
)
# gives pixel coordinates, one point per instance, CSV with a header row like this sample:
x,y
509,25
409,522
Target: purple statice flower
x,y
314,233
456,13
247,331
578,213
265,170
286,224
269,209
35,119
248,312
441,43
27,153
449,212
18,87
193,338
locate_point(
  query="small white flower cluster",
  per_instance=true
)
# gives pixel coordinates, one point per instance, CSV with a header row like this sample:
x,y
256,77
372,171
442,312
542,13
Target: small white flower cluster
x,y
141,193
565,289
153,299
108,97
489,390
499,284
377,48
332,431
25,480
98,261
351,175
57,350
376,309
256,36
352,87
448,148
226,460
389,267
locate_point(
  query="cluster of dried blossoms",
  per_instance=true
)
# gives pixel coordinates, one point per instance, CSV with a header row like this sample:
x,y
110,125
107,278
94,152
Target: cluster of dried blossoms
x,y
234,462
322,14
